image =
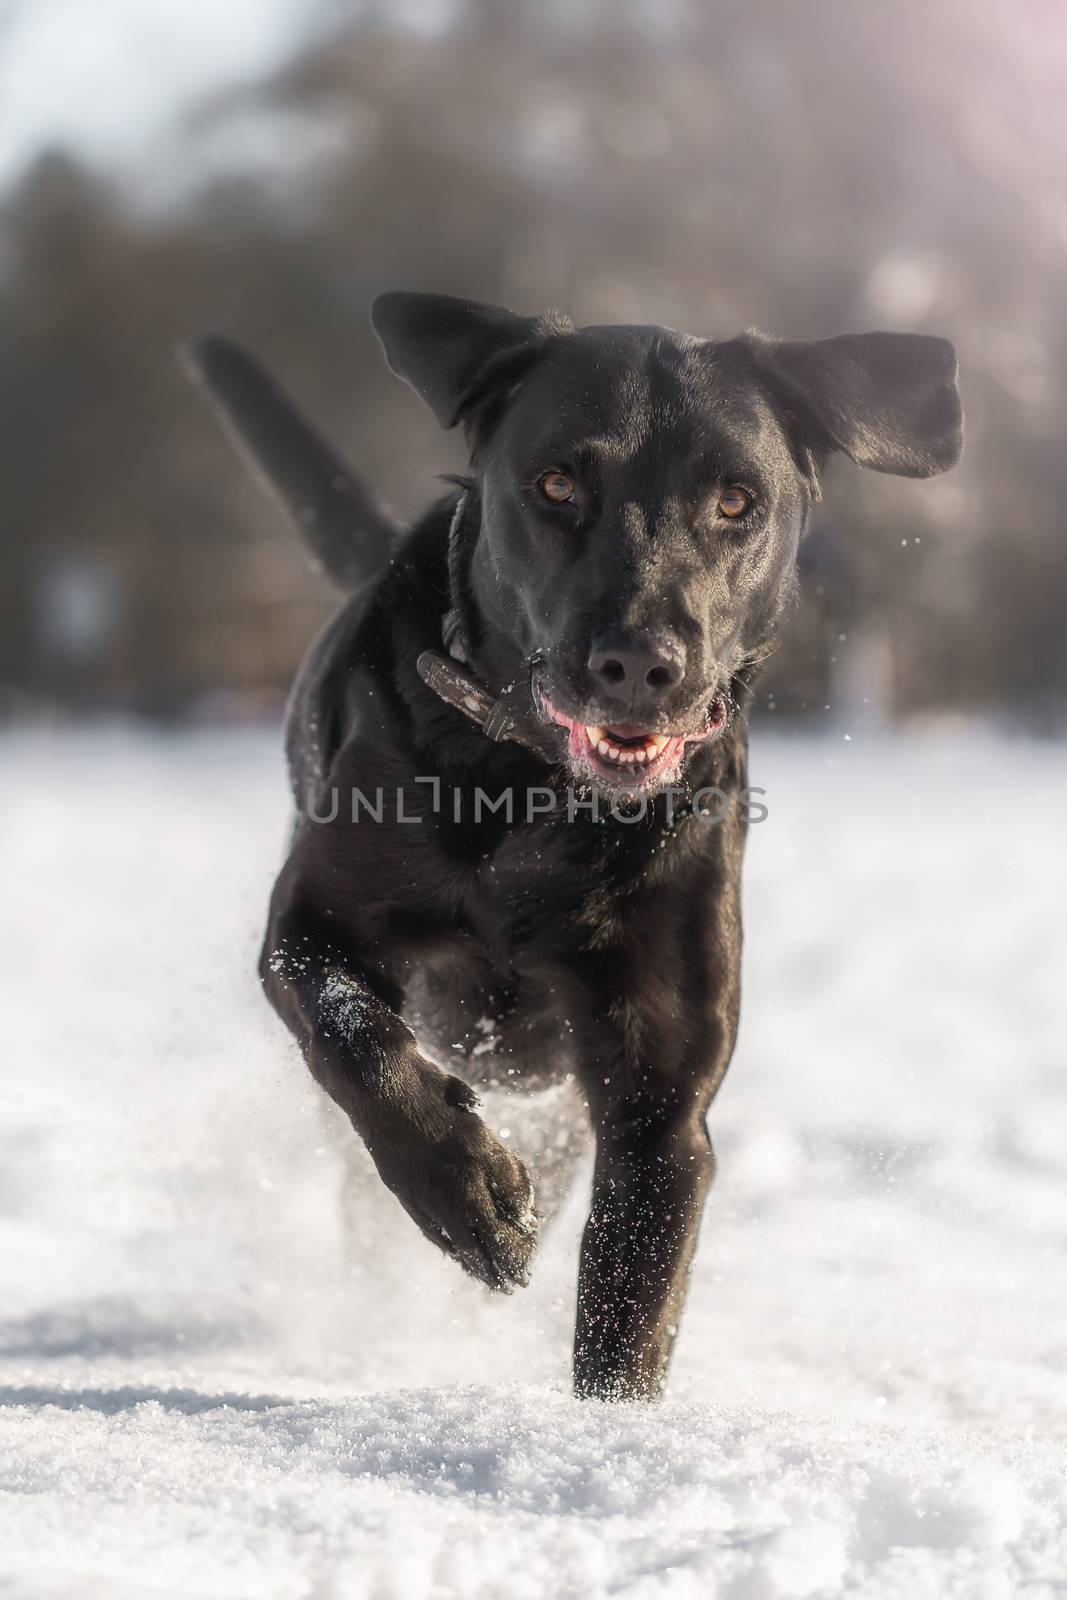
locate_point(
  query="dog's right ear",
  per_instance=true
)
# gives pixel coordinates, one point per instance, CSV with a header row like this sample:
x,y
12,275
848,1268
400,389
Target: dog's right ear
x,y
453,352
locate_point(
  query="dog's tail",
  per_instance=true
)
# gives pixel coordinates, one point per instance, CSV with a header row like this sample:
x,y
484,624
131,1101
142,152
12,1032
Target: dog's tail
x,y
350,536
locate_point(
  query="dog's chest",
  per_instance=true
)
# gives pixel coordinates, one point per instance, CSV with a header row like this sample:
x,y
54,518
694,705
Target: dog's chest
x,y
549,893
501,987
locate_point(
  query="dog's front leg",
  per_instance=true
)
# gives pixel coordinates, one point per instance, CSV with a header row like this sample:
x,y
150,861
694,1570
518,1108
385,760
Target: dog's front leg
x,y
470,1196
652,1065
654,1167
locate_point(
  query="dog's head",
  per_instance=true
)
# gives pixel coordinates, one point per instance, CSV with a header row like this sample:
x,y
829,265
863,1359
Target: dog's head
x,y
642,495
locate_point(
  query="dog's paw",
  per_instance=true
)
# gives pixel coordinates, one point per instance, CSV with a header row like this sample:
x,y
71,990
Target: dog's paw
x,y
466,1190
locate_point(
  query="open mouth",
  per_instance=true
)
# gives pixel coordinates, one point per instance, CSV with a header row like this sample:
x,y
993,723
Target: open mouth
x,y
625,756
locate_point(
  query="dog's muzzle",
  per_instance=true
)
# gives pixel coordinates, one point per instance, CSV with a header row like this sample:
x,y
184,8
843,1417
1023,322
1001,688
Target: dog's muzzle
x,y
625,756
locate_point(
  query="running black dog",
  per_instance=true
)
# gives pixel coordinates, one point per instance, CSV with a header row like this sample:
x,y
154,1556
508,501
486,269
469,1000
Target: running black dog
x,y
531,704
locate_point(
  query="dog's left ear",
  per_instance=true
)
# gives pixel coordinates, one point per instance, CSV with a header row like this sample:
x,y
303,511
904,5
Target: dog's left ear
x,y
890,401
454,353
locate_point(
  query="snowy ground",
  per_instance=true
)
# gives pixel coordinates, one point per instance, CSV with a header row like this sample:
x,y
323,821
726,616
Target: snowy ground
x,y
208,1389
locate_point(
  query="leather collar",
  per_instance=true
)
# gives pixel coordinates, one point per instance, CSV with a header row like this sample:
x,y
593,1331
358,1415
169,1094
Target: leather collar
x,y
506,716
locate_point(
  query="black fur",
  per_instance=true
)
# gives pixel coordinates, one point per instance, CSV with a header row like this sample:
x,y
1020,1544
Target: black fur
x,y
608,949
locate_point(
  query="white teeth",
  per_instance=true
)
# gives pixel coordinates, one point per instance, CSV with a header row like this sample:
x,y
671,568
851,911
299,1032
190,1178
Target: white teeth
x,y
654,745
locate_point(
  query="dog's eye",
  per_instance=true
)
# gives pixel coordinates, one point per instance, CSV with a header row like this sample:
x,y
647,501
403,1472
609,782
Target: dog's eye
x,y
734,502
557,487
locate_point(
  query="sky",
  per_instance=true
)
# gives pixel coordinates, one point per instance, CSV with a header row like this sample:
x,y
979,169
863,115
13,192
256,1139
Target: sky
x,y
107,78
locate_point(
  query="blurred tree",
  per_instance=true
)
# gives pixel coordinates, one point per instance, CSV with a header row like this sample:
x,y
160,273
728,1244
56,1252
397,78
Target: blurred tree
x,y
808,169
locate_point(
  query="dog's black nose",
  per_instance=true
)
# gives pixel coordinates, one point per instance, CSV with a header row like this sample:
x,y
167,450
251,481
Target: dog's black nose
x,y
633,667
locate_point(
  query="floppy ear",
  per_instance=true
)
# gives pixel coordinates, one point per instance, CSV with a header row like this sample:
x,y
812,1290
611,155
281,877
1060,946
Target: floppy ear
x,y
453,352
888,400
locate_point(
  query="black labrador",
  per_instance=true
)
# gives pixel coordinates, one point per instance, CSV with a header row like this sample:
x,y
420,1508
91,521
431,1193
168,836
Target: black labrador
x,y
519,757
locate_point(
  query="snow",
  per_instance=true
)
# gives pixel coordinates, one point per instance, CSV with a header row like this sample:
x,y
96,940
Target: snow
x,y
231,1367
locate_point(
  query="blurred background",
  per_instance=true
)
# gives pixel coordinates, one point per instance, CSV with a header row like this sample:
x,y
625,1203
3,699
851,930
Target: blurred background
x,y
265,167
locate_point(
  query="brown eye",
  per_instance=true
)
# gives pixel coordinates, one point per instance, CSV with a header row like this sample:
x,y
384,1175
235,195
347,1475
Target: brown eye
x,y
734,502
557,487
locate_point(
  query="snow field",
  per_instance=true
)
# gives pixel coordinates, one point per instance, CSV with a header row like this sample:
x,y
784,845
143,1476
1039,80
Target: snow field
x,y
230,1368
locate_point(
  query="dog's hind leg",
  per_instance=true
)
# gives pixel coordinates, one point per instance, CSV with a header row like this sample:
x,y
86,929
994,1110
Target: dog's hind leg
x,y
349,534
548,1128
